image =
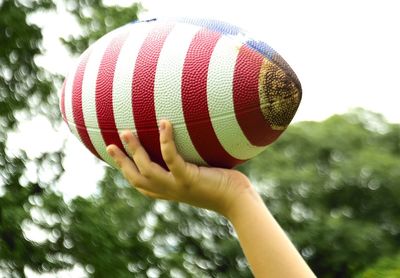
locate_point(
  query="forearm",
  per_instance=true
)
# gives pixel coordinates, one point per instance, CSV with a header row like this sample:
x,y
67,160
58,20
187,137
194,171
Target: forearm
x,y
268,250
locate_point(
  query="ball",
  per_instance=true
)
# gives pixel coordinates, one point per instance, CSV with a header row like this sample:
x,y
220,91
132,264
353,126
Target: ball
x,y
227,95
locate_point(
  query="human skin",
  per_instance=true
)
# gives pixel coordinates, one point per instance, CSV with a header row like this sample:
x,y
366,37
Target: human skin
x,y
228,192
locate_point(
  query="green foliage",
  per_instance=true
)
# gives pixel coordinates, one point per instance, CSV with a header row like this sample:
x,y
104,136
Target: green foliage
x,y
23,85
388,267
121,233
22,82
97,19
334,187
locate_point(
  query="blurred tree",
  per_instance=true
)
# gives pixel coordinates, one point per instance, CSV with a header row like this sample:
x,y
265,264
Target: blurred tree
x,y
388,267
332,185
28,205
23,85
120,233
97,19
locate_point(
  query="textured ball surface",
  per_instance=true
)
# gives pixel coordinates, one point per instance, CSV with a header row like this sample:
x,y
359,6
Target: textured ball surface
x,y
228,96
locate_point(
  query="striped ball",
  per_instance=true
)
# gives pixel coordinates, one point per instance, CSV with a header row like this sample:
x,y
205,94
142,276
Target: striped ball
x,y
227,95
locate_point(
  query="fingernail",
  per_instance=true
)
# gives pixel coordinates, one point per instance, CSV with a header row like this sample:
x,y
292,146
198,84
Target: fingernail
x,y
162,125
111,152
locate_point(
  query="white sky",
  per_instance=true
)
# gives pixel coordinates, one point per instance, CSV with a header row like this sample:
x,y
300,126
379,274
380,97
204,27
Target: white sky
x,y
346,54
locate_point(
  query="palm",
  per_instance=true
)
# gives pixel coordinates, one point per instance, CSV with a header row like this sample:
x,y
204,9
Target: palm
x,y
205,187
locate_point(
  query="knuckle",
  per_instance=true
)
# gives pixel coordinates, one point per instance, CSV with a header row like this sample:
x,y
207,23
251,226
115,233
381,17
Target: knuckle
x,y
146,171
169,159
163,140
118,162
152,169
131,180
134,180
131,150
129,177
169,156
121,163
133,145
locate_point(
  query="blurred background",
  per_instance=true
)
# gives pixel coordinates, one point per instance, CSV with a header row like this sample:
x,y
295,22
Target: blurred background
x,y
332,180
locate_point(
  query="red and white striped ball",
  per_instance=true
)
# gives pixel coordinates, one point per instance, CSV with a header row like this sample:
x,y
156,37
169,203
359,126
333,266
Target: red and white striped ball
x,y
227,95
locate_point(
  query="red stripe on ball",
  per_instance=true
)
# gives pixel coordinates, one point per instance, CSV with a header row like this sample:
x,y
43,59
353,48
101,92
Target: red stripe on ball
x,y
144,112
104,92
77,105
247,101
194,101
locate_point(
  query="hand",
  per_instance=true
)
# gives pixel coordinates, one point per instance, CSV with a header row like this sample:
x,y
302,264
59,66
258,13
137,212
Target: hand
x,y
215,189
228,192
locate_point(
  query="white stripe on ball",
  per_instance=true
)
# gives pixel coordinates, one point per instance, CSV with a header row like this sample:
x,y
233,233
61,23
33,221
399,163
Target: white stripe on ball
x,y
220,100
89,93
122,84
167,87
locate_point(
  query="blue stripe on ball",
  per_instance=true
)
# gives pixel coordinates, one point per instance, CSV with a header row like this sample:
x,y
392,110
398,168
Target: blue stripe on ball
x,y
214,25
273,56
262,48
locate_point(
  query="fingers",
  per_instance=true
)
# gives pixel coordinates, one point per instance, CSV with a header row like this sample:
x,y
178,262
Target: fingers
x,y
148,177
141,172
174,161
131,172
126,166
146,167
136,150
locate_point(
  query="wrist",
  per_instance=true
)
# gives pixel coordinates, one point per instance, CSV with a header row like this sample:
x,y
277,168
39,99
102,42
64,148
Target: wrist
x,y
245,196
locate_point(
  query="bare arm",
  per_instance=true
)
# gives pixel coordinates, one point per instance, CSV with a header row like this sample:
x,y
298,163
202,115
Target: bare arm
x,y
268,250
228,192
